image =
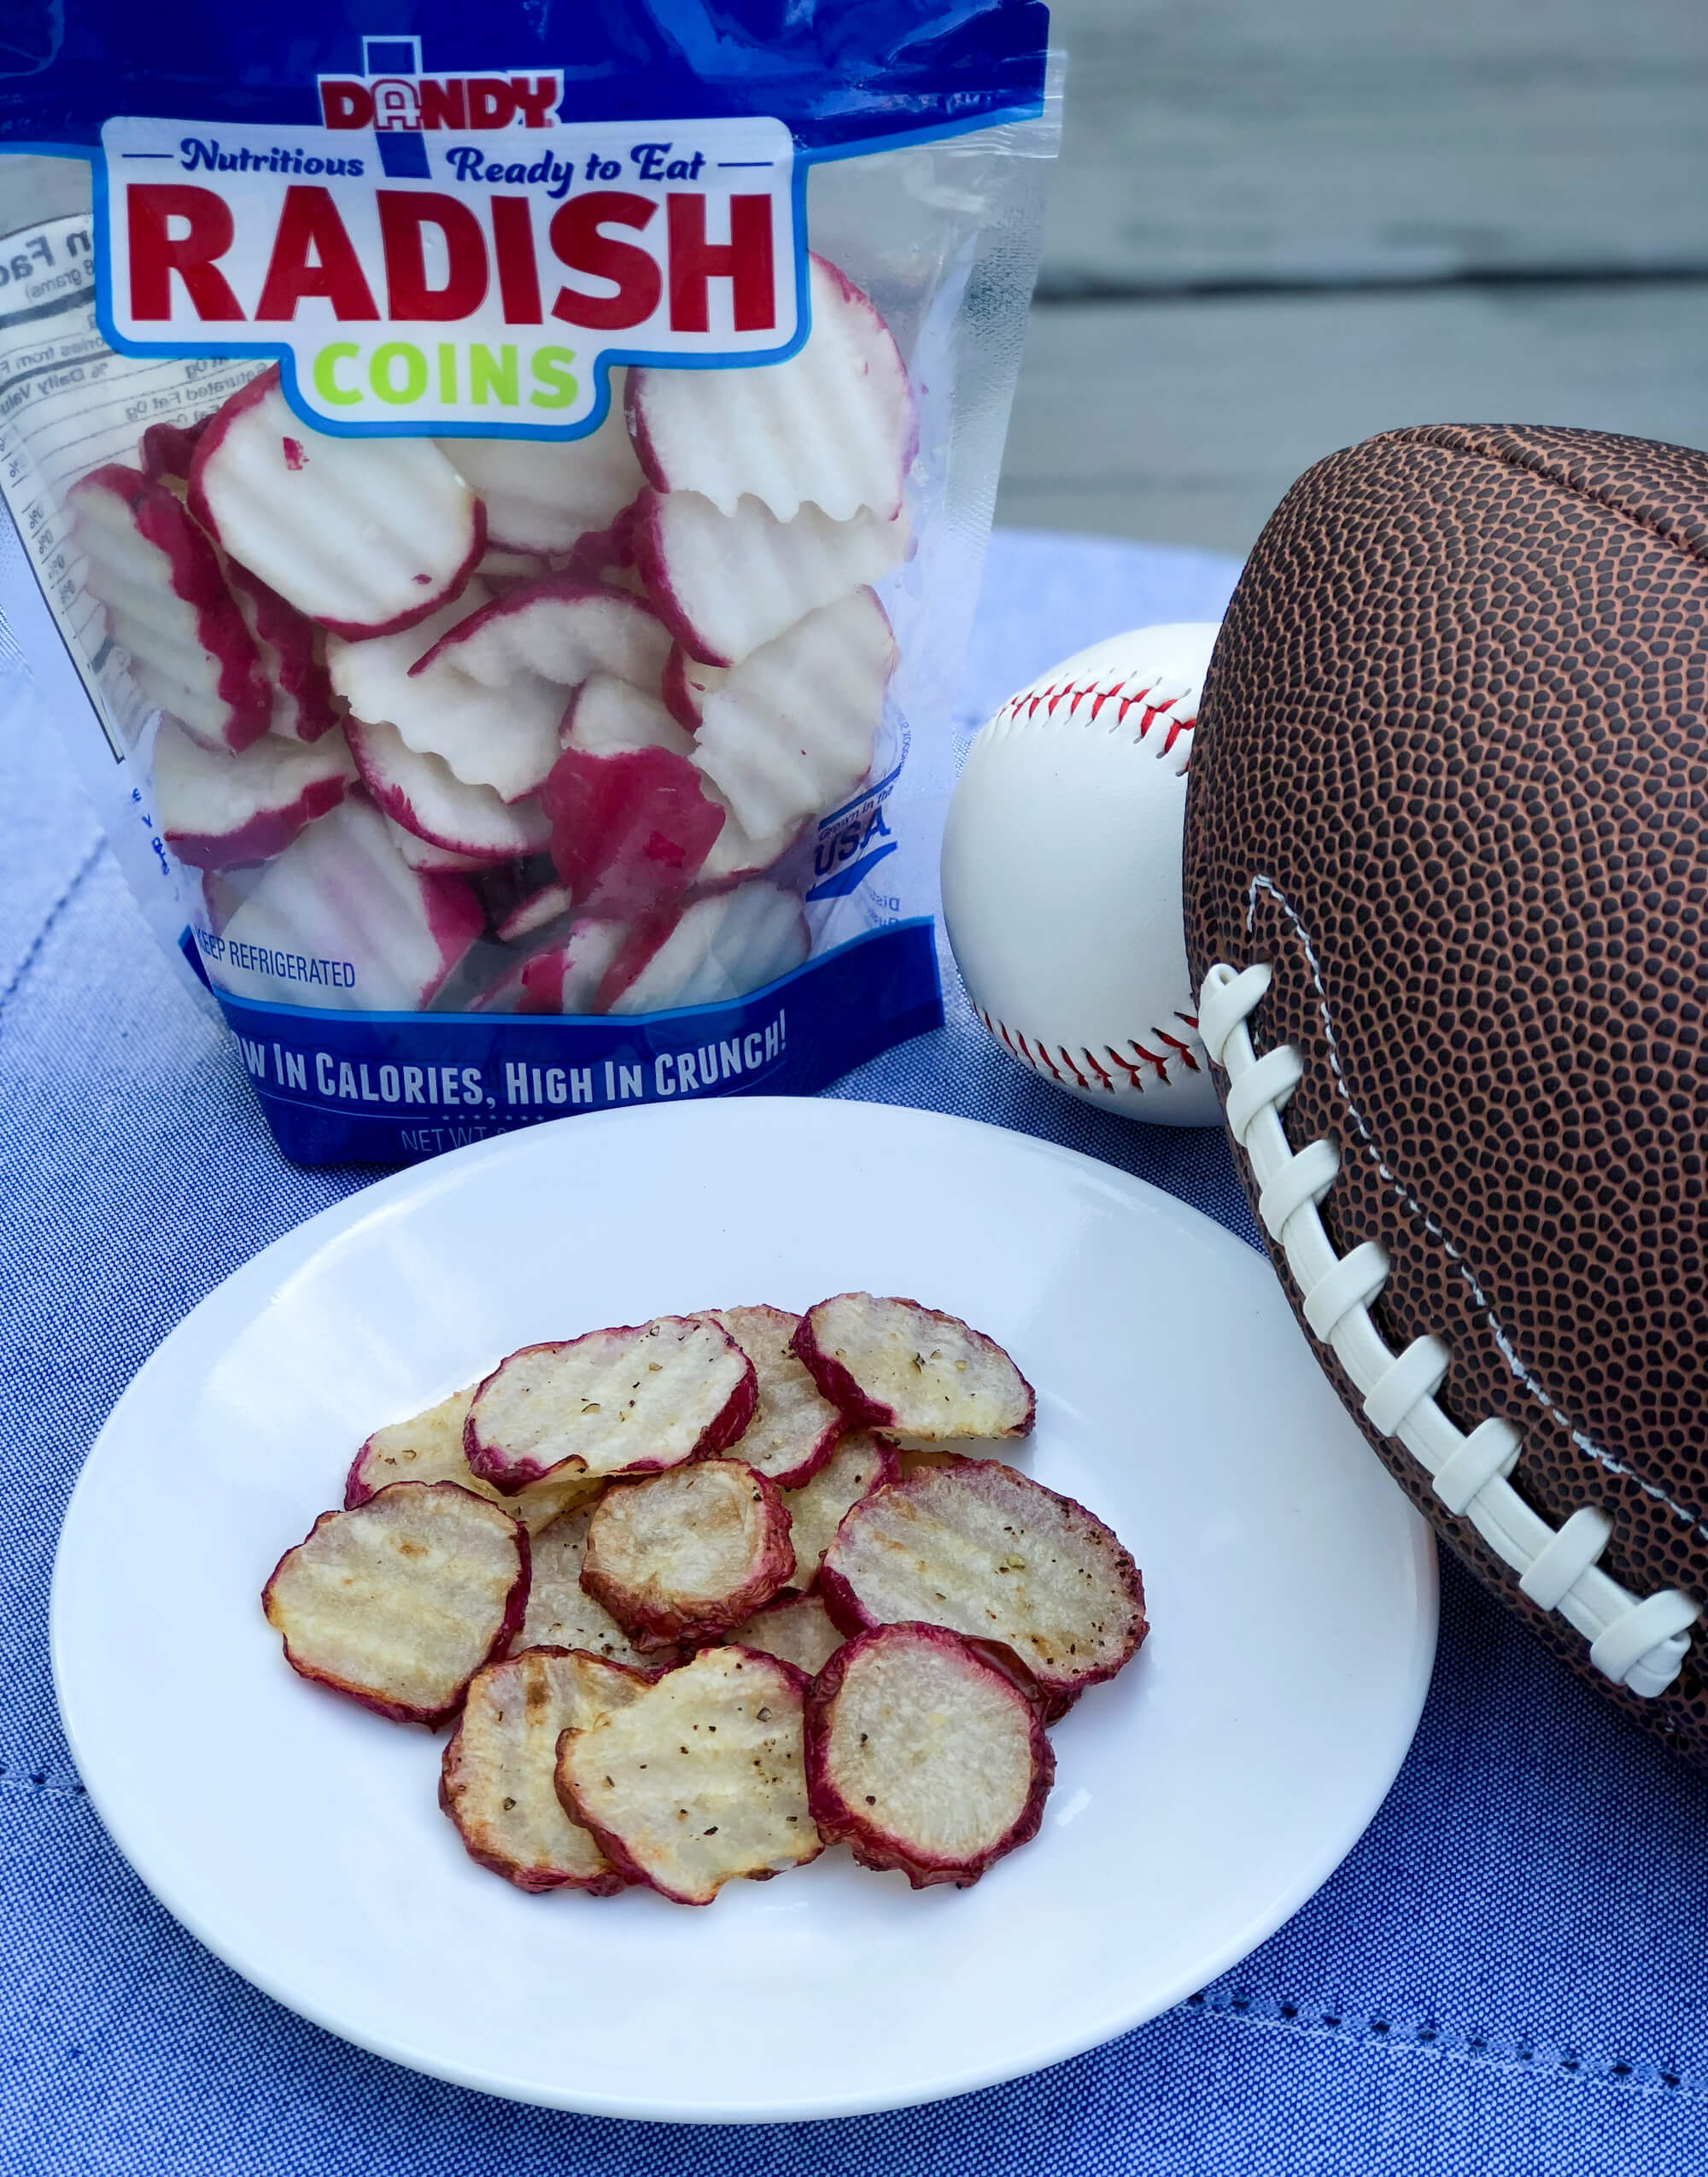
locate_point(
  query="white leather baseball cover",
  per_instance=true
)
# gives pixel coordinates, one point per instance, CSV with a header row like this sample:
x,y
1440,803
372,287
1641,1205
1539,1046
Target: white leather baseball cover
x,y
1061,876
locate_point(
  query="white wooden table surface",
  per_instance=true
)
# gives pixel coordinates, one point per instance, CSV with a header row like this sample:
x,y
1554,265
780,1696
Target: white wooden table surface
x,y
1276,229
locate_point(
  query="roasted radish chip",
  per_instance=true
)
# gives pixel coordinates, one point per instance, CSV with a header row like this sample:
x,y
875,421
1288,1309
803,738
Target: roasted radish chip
x,y
497,1783
631,1399
857,1466
684,1555
926,1753
224,812
429,1448
796,1627
794,1428
833,427
698,1779
992,1555
365,535
399,1603
561,1613
159,580
892,1364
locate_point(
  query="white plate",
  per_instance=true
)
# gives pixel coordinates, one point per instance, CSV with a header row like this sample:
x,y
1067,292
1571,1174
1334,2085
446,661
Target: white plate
x,y
1200,1799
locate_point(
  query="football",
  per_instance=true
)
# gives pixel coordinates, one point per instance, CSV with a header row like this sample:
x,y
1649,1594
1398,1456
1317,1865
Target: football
x,y
1445,874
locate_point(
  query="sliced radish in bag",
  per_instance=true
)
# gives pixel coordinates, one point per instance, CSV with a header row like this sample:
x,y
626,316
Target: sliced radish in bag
x,y
795,1627
685,683
859,1464
559,629
894,1364
421,794
561,1613
606,716
292,651
835,426
990,1554
341,920
699,1780
789,734
498,1780
421,854
794,1428
560,978
718,948
159,581
366,536
166,451
725,584
543,495
220,812
399,1602
631,830
925,1753
546,905
631,1400
680,1556
429,1448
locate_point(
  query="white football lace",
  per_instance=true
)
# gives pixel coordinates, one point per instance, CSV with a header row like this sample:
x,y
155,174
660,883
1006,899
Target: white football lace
x,y
1639,1644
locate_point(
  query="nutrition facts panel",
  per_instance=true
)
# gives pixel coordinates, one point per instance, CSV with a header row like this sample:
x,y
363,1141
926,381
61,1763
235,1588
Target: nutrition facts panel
x,y
67,404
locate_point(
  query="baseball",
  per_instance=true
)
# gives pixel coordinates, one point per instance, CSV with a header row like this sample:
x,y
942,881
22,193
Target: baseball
x,y
1061,876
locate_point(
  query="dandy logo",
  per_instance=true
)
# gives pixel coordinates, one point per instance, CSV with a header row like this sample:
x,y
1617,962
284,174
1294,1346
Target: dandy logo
x,y
448,251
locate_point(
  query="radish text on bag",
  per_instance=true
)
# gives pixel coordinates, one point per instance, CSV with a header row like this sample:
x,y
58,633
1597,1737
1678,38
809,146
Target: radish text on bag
x,y
513,495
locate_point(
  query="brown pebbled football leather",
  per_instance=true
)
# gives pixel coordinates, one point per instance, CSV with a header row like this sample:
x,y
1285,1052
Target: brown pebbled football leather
x,y
1457,724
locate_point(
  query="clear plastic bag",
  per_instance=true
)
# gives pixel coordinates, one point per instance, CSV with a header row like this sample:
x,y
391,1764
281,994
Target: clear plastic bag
x,y
517,555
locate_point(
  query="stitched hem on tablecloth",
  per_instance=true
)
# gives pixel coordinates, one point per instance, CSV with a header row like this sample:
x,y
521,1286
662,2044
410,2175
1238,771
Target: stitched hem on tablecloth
x,y
74,885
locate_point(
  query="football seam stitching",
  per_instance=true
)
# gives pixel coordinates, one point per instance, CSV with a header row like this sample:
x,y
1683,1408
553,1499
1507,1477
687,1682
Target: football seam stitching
x,y
1594,493
1502,1339
1639,1644
1034,1052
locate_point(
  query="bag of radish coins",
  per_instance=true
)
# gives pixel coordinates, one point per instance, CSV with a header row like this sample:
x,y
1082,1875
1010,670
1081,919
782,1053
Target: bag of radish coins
x,y
512,490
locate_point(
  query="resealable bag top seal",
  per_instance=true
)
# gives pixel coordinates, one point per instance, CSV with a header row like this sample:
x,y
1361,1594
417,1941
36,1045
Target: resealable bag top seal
x,y
512,493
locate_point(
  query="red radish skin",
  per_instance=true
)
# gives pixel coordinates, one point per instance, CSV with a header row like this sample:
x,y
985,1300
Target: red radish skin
x,y
515,1610
193,577
285,796
510,1471
292,651
684,684
212,436
629,831
422,795
882,1850
167,449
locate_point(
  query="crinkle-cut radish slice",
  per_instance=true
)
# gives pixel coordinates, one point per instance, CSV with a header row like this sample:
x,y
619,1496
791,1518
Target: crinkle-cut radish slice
x,y
895,1364
498,1780
684,1555
630,830
166,451
401,1601
561,1613
366,536
606,716
421,854
428,1447
860,1463
292,651
685,683
926,1753
424,795
735,855
993,1554
355,929
542,494
796,1627
718,948
700,1779
725,584
559,629
561,978
835,426
220,812
631,1400
535,911
794,1428
503,738
790,733
158,580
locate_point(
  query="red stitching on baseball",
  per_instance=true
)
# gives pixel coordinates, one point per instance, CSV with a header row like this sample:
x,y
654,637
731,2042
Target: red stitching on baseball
x,y
1038,1058
1175,1043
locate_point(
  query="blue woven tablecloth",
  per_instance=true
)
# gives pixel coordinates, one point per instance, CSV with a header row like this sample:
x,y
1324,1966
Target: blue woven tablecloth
x,y
1507,1976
